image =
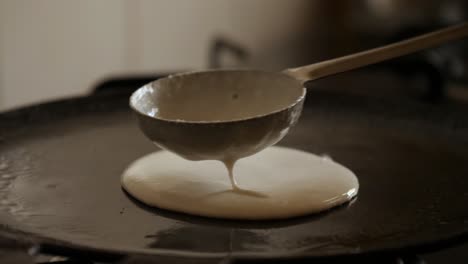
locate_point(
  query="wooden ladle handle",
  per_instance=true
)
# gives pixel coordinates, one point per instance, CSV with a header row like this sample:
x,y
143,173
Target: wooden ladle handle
x,y
361,59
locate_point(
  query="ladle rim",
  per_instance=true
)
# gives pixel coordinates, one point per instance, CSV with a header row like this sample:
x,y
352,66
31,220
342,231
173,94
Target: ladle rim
x,y
199,122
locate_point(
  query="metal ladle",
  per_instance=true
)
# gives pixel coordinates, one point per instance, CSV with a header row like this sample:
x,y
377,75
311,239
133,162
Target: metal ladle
x,y
229,114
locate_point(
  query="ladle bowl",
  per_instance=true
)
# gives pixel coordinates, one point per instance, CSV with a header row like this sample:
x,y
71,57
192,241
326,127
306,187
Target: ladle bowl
x,y
218,115
229,114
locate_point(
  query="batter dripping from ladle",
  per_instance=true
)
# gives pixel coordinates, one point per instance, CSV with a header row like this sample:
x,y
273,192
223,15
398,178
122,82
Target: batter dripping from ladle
x,y
229,164
196,116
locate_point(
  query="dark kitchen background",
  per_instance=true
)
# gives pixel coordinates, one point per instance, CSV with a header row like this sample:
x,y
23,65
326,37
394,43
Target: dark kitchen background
x,y
52,49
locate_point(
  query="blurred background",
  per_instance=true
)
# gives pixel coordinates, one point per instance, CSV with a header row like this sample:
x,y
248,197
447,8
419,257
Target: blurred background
x,y
56,48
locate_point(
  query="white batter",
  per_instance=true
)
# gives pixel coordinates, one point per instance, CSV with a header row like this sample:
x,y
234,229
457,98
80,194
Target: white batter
x,y
275,183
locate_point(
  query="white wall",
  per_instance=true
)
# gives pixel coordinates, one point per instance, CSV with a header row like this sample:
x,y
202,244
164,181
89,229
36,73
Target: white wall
x,y
56,48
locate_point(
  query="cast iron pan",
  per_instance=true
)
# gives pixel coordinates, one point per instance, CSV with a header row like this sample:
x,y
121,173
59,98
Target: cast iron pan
x,y
60,167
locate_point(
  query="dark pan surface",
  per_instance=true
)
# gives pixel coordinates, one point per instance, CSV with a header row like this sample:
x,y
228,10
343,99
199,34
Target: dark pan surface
x,y
60,166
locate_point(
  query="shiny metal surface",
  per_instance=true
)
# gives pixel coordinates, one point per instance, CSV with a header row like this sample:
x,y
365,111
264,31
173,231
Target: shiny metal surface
x,y
61,165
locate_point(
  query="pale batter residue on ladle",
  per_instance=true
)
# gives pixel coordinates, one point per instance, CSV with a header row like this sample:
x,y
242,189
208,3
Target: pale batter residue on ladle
x,y
275,183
